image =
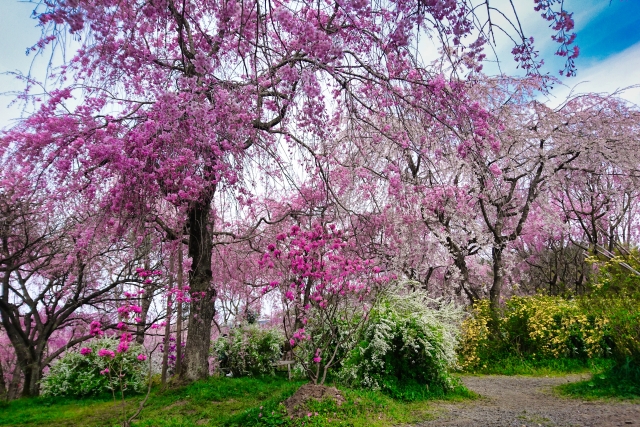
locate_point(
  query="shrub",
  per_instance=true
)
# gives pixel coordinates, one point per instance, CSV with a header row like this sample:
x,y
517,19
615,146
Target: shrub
x,y
615,295
622,324
619,275
76,374
406,346
249,350
536,327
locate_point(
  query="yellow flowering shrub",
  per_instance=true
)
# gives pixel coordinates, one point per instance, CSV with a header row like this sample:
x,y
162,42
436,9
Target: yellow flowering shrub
x,y
619,275
604,323
622,314
534,327
615,295
475,336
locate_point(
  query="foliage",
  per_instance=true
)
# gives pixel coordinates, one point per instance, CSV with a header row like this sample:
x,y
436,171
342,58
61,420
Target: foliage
x,y
532,329
621,382
76,374
535,327
327,291
249,350
618,275
523,365
622,315
167,109
361,408
187,120
407,349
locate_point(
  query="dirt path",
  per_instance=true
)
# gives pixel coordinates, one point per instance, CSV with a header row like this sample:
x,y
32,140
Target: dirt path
x,y
526,401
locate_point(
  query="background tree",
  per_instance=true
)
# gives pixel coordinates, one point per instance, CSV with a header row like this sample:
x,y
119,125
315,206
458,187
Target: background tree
x,y
59,271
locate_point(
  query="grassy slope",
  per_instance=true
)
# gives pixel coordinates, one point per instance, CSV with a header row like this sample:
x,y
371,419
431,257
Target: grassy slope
x,y
219,402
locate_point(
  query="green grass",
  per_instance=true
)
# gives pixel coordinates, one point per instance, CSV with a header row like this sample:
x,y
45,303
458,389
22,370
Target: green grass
x,y
613,383
221,401
514,365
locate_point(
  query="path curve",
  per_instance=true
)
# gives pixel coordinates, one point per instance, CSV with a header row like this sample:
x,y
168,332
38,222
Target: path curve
x,y
528,401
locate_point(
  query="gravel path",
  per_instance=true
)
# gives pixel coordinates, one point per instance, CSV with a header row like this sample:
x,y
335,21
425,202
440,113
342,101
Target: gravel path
x,y
527,401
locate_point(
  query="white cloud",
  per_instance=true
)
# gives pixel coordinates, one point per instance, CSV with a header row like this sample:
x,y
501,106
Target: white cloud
x,y
535,26
616,72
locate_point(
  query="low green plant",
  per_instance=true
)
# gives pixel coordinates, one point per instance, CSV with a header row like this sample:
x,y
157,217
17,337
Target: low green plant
x,y
362,408
249,350
407,349
518,365
76,374
619,381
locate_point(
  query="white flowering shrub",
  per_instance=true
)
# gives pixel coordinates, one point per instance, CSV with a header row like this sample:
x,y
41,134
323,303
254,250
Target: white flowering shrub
x,y
249,350
407,345
86,373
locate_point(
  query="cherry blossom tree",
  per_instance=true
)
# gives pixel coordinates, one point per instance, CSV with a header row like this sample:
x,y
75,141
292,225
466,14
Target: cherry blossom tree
x,y
59,272
473,184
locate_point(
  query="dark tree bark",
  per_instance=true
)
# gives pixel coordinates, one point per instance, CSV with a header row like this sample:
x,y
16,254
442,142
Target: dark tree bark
x,y
498,278
167,327
179,316
12,391
3,384
196,363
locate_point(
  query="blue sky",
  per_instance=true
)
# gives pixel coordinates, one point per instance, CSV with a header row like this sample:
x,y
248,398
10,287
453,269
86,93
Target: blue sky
x,y
608,36
615,28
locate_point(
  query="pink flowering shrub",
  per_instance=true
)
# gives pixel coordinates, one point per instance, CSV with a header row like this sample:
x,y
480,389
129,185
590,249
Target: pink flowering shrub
x,y
326,291
96,369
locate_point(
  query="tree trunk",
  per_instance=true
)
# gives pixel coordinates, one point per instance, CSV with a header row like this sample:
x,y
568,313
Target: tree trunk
x,y
28,359
196,363
496,290
167,327
498,278
460,261
145,299
179,316
12,392
3,384
32,375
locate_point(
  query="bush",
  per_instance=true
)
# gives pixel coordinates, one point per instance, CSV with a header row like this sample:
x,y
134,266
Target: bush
x,y
536,327
76,374
620,381
615,295
542,327
617,276
249,350
407,348
622,325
